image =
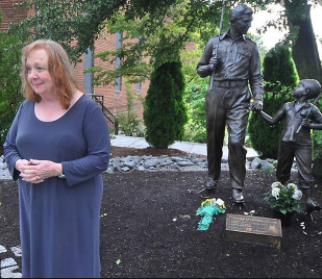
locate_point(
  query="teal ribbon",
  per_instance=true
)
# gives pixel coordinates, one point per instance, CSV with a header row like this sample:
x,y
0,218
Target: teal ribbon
x,y
208,212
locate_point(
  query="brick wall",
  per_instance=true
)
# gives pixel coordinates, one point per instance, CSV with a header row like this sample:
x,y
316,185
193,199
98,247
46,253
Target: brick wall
x,y
10,14
115,101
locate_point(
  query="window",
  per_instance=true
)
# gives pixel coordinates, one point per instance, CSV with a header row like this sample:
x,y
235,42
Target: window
x,y
139,86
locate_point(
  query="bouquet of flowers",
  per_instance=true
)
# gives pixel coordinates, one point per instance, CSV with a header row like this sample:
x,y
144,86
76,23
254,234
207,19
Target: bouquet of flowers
x,y
208,210
285,199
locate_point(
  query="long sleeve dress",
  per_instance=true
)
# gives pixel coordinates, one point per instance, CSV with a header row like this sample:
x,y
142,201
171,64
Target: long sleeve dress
x,y
60,218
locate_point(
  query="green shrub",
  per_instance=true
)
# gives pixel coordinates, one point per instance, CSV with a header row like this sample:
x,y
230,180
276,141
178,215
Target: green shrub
x,y
280,78
279,68
195,97
317,147
129,121
10,82
165,112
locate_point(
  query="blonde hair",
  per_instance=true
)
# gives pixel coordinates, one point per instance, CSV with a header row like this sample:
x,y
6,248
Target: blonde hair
x,y
59,68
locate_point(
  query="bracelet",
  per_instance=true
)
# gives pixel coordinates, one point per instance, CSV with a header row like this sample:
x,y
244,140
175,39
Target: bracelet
x,y
62,174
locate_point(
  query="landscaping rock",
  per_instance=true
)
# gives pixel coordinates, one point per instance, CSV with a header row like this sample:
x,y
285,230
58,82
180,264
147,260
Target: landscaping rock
x,y
177,159
271,161
110,170
266,166
175,167
194,160
256,164
141,169
129,163
125,169
224,167
164,162
151,163
5,175
185,163
117,165
203,164
3,165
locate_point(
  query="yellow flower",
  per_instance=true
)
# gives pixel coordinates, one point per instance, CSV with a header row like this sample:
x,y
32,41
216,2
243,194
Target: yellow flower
x,y
210,202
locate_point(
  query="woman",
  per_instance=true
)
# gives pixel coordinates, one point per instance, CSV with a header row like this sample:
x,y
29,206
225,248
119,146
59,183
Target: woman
x,y
57,147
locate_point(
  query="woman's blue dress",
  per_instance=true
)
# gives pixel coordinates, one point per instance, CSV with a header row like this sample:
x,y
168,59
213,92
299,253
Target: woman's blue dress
x,y
60,218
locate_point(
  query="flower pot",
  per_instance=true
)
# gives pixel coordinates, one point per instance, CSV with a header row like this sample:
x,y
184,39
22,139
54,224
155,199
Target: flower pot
x,y
286,219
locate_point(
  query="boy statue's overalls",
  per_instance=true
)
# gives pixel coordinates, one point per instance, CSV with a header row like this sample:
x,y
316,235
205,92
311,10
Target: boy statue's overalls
x,y
300,117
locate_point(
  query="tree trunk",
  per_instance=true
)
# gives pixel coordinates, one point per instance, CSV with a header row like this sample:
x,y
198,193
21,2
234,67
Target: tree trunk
x,y
305,51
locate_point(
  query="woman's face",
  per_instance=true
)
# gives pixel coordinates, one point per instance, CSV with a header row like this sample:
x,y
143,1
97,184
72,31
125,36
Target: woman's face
x,y
38,75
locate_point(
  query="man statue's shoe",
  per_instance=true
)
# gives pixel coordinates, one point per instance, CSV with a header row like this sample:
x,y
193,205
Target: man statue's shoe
x,y
211,184
238,196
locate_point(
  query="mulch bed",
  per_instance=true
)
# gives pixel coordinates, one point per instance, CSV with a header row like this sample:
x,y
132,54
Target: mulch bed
x,y
139,230
154,152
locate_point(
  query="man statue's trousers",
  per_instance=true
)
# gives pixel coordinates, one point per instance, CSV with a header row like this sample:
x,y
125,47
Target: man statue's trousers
x,y
227,104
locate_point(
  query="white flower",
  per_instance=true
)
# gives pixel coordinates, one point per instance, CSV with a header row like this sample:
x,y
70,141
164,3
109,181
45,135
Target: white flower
x,y
276,193
276,185
297,195
292,186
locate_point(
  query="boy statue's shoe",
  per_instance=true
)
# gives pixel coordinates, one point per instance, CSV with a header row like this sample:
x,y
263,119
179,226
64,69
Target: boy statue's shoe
x,y
312,206
211,184
238,196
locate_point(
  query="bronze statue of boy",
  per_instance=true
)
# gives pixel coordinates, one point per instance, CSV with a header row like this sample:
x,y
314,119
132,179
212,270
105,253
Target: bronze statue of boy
x,y
300,117
233,62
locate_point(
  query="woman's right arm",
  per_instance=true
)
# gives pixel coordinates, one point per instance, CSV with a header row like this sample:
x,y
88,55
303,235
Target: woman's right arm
x,y
11,153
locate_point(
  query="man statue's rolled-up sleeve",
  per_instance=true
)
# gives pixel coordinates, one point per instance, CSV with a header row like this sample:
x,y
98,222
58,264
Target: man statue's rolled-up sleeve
x,y
203,65
256,78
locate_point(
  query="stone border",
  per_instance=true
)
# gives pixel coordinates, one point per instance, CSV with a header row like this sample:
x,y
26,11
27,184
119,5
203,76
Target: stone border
x,y
180,164
8,265
165,164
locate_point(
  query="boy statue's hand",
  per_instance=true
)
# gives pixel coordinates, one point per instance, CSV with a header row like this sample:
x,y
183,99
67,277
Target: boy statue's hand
x,y
257,106
306,123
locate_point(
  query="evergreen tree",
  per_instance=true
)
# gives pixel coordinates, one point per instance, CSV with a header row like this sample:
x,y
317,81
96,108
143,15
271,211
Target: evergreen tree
x,y
179,89
280,79
165,112
10,82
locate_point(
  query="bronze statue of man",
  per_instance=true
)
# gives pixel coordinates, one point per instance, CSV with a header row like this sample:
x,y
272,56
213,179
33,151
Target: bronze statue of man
x,y
233,62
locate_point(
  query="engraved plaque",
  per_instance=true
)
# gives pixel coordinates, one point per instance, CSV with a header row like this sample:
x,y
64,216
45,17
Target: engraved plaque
x,y
254,230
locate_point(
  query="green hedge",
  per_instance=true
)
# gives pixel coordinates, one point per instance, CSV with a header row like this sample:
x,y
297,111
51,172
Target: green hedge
x,y
10,82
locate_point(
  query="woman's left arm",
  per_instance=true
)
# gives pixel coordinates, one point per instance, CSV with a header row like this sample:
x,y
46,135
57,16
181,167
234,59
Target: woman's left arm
x,y
11,152
96,134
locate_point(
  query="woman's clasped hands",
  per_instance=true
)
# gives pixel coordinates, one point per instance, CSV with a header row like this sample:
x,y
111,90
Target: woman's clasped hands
x,y
37,171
